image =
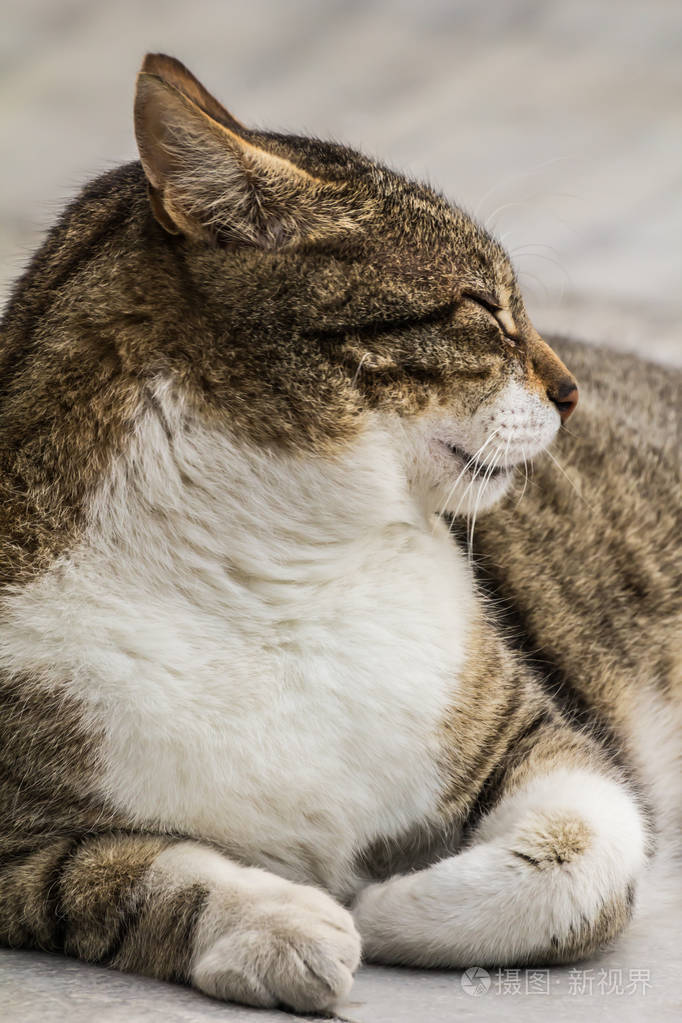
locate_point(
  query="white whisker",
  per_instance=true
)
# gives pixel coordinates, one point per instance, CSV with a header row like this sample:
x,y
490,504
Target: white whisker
x,y
472,460
533,277
357,371
525,480
563,471
505,182
486,478
473,478
504,206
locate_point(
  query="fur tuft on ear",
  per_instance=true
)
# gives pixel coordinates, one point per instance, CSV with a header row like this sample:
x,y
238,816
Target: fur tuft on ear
x,y
209,181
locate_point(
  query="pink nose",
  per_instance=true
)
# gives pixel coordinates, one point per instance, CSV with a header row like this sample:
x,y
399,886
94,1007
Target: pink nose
x,y
564,396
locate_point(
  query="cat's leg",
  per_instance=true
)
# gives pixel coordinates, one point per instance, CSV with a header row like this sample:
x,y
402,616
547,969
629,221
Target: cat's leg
x,y
180,911
548,876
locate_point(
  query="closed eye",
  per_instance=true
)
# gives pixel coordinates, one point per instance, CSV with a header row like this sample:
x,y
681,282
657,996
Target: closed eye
x,y
502,316
441,314
485,299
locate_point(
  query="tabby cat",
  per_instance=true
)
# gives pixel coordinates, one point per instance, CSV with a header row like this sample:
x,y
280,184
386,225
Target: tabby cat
x,y
257,708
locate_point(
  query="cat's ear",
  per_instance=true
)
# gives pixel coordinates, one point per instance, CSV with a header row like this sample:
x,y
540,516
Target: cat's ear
x,y
175,73
207,180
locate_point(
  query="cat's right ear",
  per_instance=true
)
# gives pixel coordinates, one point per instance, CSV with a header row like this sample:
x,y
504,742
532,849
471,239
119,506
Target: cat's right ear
x,y
209,180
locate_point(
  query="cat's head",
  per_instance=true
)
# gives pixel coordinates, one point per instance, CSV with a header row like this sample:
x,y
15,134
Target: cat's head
x,y
345,294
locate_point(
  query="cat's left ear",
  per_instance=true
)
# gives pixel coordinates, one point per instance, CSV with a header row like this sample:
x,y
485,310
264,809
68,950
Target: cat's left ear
x,y
208,180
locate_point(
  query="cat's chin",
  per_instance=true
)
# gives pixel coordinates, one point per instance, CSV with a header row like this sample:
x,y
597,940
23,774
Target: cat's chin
x,y
476,470
455,483
472,493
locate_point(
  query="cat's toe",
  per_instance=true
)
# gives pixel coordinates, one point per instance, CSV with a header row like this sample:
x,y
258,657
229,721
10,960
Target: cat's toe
x,y
294,954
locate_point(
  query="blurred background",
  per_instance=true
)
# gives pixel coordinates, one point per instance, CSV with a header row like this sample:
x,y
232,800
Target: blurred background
x,y
559,124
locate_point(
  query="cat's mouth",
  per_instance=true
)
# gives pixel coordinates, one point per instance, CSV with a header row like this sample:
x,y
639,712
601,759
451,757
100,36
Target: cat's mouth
x,y
478,469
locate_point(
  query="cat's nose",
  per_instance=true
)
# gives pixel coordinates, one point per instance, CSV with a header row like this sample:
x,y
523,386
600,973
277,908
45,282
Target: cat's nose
x,y
551,376
564,394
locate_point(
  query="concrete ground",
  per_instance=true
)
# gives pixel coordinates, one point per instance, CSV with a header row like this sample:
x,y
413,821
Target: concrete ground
x,y
39,988
559,124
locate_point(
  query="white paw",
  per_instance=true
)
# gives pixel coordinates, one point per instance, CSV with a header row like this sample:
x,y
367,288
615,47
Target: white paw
x,y
290,945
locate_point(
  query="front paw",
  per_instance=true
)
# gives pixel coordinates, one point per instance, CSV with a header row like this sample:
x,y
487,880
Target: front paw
x,y
294,946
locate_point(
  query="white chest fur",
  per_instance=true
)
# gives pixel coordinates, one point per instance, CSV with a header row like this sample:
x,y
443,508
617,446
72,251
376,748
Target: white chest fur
x,y
269,645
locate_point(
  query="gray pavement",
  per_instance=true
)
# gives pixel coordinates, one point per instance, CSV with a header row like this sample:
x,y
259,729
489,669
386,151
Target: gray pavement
x,y
560,124
42,988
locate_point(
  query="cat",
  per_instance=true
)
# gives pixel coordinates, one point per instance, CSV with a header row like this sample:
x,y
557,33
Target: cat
x,y
260,708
